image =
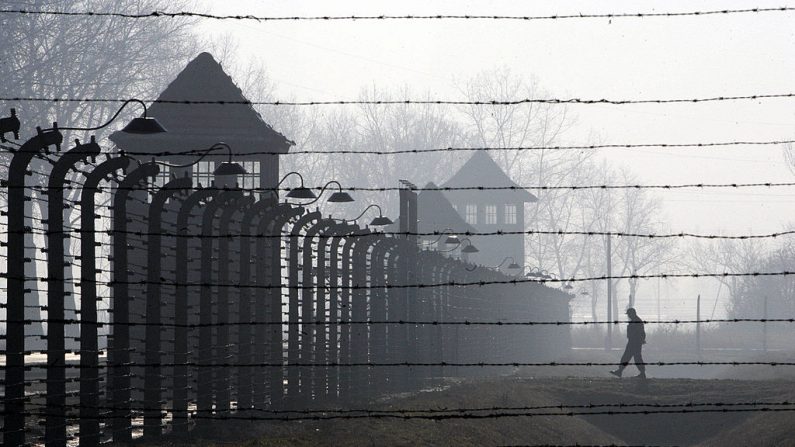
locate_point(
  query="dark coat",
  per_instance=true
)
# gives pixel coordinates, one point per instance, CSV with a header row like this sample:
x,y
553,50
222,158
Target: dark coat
x,y
635,332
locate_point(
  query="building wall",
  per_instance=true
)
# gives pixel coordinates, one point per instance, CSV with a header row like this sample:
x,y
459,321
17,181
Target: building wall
x,y
494,249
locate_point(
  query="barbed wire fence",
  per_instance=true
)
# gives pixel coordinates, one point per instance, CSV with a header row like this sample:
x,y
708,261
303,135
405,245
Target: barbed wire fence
x,y
229,307
224,304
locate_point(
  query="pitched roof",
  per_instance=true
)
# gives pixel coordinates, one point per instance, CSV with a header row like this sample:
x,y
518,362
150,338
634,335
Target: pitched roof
x,y
482,170
194,126
436,213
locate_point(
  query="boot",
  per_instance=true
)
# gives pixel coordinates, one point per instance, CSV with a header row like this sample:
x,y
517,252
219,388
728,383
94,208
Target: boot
x,y
642,375
617,372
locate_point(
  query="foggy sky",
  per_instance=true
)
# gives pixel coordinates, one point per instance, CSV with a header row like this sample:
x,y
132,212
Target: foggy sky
x,y
627,58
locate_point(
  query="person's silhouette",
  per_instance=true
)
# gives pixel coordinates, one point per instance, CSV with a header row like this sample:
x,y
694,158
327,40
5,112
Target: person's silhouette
x,y
636,338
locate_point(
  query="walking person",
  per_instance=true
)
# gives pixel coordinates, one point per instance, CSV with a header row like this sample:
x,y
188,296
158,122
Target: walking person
x,y
636,338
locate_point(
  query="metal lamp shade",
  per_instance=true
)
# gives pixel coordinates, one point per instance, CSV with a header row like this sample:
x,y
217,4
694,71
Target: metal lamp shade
x,y
452,240
147,125
469,249
301,193
340,196
381,221
228,168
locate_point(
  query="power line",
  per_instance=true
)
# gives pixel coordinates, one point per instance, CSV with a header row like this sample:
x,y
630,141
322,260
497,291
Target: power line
x,y
493,102
381,17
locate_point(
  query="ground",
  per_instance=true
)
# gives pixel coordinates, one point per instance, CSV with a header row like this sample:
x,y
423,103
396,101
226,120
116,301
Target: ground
x,y
519,390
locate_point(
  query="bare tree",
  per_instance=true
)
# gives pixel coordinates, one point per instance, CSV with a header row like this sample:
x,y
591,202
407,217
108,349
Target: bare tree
x,y
639,213
85,57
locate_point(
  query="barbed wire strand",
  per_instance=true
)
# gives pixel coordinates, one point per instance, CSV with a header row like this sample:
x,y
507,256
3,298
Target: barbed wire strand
x,y
381,17
702,145
493,102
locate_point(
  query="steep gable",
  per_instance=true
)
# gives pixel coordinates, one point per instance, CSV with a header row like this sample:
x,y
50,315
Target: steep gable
x,y
482,170
194,126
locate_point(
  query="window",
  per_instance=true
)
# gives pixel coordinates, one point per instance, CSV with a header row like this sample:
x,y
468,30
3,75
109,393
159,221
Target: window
x,y
203,173
491,214
163,177
251,178
471,214
510,214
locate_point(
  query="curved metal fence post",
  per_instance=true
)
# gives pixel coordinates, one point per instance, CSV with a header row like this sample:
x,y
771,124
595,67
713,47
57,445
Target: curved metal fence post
x,y
295,374
119,342
396,346
152,378
180,424
378,305
14,396
245,398
204,384
89,349
333,353
326,317
310,284
359,337
344,373
55,422
222,382
269,274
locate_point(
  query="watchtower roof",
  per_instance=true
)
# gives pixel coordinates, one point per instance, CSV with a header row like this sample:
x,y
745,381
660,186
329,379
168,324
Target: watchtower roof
x,y
482,170
435,213
197,126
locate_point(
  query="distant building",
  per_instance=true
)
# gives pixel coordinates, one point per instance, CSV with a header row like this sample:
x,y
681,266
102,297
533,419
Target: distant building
x,y
199,126
489,210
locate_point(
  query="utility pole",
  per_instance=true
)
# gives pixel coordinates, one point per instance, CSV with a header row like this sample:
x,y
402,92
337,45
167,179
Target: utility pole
x,y
698,324
764,326
609,336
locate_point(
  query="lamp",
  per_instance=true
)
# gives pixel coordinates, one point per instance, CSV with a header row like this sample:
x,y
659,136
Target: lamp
x,y
512,266
141,125
534,272
298,193
338,197
469,248
225,168
379,221
450,240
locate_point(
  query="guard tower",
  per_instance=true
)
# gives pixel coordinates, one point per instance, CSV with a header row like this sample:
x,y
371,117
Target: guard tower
x,y
216,111
199,126
491,210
